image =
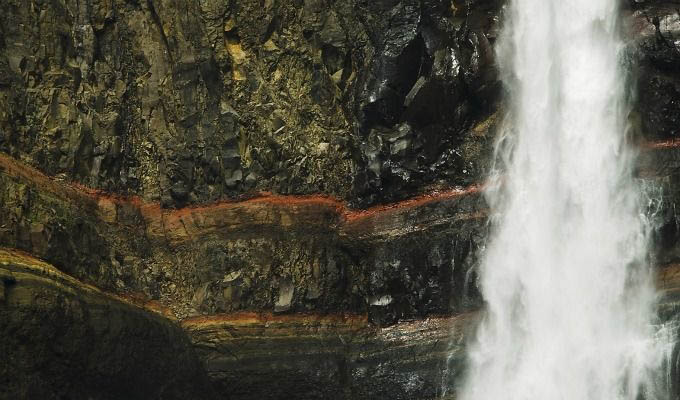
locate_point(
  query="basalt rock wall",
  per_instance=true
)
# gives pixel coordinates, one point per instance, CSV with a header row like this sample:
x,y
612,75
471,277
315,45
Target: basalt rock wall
x,y
192,102
267,199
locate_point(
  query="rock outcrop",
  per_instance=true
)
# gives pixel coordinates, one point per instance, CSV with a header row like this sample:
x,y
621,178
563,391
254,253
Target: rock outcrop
x,y
655,28
270,253
266,199
195,102
64,339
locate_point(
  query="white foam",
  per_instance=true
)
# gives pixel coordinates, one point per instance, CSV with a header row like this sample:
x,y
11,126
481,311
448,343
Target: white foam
x,y
569,293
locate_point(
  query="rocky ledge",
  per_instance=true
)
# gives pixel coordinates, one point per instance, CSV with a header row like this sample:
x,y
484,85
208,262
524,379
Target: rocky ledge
x,y
64,338
272,294
270,253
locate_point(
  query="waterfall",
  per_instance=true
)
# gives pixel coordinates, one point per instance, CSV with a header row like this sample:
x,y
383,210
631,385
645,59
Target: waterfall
x,y
565,276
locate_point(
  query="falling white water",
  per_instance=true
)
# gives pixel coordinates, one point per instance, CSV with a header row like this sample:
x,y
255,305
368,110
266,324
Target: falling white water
x,y
569,294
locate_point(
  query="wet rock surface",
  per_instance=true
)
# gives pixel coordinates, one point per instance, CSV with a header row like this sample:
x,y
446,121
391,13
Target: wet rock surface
x,y
294,263
654,28
191,103
298,184
332,357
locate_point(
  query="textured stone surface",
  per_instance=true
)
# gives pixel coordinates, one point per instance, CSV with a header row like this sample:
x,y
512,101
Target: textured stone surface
x,y
368,101
332,357
186,102
298,183
654,27
79,342
62,339
342,357
311,254
270,253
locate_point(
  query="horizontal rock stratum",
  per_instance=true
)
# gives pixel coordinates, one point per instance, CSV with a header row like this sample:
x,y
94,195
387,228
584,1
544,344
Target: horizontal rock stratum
x,y
57,329
382,296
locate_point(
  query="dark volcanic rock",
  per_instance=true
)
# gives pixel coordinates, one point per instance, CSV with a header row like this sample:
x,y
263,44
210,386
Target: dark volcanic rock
x,y
194,102
332,357
147,116
655,28
272,253
431,78
62,339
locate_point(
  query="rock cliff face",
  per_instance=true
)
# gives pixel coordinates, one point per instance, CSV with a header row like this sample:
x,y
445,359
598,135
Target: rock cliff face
x,y
192,102
65,339
266,199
